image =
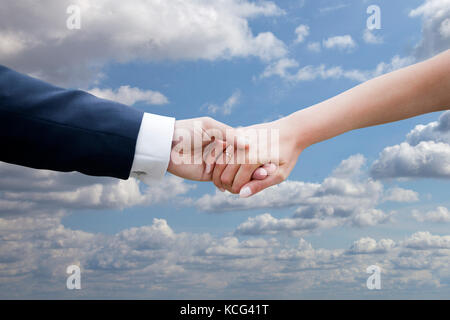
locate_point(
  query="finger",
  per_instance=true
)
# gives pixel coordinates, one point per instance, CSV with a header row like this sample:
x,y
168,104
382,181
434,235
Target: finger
x,y
259,174
255,186
228,176
210,154
264,171
220,165
243,176
271,168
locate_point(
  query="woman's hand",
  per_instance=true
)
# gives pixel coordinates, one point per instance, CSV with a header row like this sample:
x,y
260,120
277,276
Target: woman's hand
x,y
278,154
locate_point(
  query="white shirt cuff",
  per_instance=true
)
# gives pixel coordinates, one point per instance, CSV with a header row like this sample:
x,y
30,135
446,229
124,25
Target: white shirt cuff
x,y
153,147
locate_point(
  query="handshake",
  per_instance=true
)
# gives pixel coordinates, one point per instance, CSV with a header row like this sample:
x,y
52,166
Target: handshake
x,y
243,161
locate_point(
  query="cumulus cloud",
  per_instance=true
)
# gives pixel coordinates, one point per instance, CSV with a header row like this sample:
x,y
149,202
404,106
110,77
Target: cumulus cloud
x,y
227,107
435,27
347,196
401,195
437,131
302,31
424,240
428,159
231,247
424,154
35,39
266,224
314,46
439,215
26,191
370,246
130,95
344,184
345,42
288,69
370,37
158,235
333,8
157,261
435,39
280,68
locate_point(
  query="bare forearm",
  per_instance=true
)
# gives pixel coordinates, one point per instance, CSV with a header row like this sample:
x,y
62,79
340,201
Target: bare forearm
x,y
405,93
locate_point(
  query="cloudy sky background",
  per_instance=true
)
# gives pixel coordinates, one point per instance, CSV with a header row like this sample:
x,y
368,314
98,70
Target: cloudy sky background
x,y
377,196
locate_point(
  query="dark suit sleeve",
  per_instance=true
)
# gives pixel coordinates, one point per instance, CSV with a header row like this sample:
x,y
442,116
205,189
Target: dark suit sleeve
x,y
46,127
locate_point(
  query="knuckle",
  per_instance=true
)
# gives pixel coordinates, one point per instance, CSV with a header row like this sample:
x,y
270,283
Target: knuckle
x,y
235,189
217,183
226,180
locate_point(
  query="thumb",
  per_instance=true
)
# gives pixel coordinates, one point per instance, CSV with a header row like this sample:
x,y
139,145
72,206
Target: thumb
x,y
266,170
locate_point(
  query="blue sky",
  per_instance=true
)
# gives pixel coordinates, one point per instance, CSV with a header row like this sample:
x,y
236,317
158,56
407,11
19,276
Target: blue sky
x,y
287,242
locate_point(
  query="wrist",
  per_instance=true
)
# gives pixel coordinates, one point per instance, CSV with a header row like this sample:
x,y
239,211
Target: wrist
x,y
175,139
296,130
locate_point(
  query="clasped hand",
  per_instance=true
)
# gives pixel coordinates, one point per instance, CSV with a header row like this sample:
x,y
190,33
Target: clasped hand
x,y
243,161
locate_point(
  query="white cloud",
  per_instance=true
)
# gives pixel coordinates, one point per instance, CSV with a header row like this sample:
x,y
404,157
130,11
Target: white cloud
x,y
345,197
425,153
227,106
231,247
293,193
267,224
435,29
345,42
439,215
279,68
130,95
308,73
426,240
370,37
396,63
156,261
158,235
37,41
314,46
26,190
333,8
302,31
437,131
350,167
427,159
401,195
369,246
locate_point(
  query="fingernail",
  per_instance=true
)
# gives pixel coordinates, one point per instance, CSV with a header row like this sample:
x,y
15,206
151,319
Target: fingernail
x,y
208,168
263,172
245,192
222,189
